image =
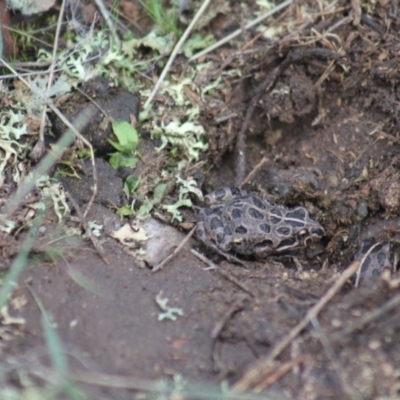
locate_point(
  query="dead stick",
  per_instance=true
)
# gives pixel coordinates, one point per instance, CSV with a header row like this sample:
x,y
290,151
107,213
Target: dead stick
x,y
176,251
368,318
250,176
256,373
225,274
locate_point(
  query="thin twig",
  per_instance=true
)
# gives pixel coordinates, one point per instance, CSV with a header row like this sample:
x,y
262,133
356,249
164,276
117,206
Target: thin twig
x,y
366,319
176,251
223,273
95,103
106,15
239,31
250,176
31,64
277,373
338,24
175,52
39,148
234,308
256,373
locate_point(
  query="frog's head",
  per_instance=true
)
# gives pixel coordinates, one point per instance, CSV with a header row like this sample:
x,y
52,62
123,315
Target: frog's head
x,y
313,232
305,228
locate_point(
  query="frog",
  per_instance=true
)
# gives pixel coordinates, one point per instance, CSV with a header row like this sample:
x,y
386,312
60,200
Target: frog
x,y
253,225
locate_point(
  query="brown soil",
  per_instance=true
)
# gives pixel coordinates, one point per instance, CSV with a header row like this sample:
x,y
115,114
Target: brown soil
x,y
331,144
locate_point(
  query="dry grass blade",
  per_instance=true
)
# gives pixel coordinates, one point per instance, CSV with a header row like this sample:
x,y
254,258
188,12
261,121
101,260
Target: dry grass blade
x,y
254,171
106,15
368,318
256,373
175,52
239,31
277,372
39,148
223,273
176,251
234,308
18,264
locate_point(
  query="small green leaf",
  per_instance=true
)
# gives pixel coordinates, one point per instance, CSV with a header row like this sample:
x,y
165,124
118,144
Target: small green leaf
x,y
145,209
117,146
196,43
126,134
159,192
131,184
118,160
125,211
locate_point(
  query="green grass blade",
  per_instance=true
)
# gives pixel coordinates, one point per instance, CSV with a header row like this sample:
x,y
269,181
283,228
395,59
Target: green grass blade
x,y
57,356
19,263
53,342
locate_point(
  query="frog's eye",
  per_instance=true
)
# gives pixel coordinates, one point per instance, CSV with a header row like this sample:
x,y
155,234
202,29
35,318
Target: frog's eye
x,y
317,232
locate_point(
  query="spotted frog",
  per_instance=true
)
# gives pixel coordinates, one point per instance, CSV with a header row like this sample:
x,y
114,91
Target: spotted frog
x,y
249,224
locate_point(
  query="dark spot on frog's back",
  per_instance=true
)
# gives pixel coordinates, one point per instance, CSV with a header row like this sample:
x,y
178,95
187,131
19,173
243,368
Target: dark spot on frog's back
x,y
365,265
376,272
275,220
241,230
265,228
382,259
220,194
237,213
237,203
235,191
216,210
220,237
255,213
294,223
216,223
276,212
284,231
258,203
297,213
